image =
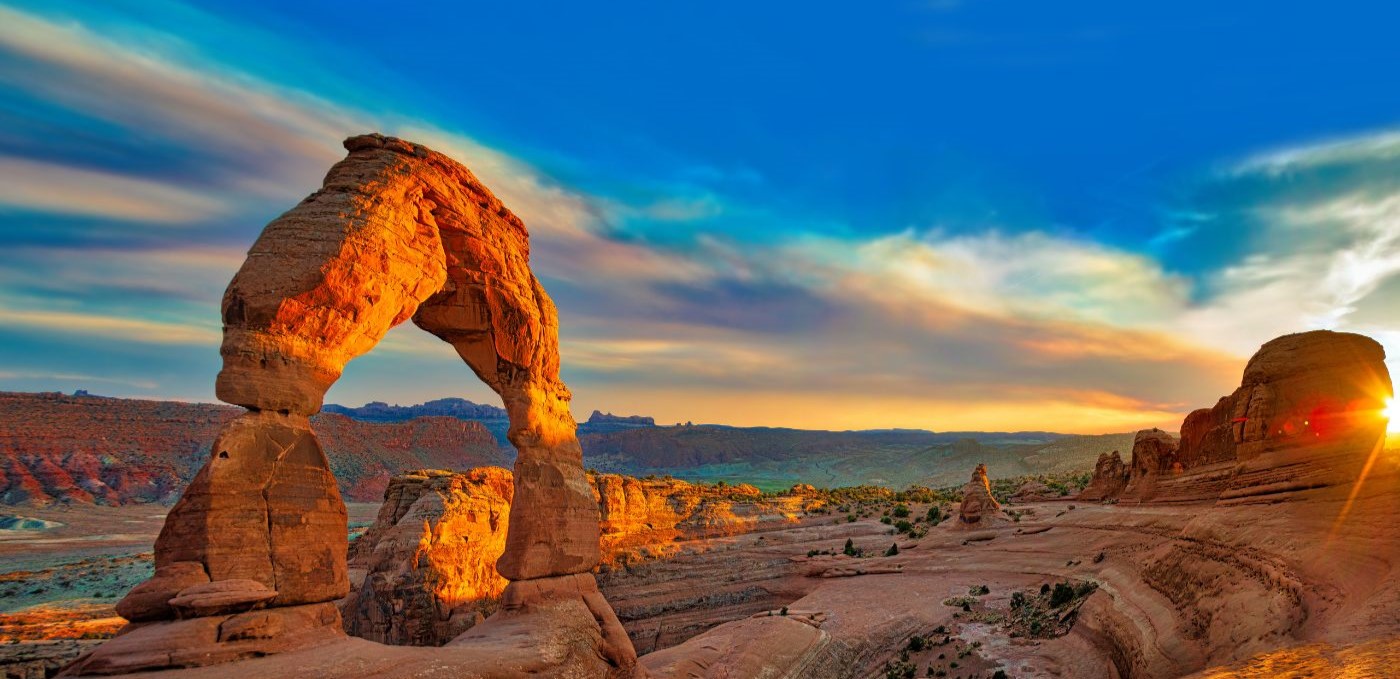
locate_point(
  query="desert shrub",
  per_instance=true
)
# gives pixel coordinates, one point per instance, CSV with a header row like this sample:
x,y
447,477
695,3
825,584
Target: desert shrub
x,y
850,548
893,550
901,511
1063,594
903,526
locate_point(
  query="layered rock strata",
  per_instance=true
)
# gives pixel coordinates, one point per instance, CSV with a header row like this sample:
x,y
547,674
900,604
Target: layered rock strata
x,y
396,232
1309,413
426,569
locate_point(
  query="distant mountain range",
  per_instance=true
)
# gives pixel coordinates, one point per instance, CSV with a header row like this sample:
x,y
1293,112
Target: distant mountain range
x,y
493,418
84,448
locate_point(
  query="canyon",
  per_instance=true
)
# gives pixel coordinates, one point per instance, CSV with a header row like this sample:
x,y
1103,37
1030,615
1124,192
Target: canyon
x,y
60,448
77,449
425,571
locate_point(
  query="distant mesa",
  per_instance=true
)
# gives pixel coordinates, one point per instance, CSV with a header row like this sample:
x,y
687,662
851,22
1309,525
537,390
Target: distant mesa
x,y
609,418
379,411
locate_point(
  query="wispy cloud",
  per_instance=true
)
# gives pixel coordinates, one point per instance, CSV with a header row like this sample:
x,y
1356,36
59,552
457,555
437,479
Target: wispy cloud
x,y
59,189
76,377
111,327
1010,326
1363,148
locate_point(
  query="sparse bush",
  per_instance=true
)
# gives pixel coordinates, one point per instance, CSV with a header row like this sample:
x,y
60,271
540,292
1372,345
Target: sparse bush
x,y
903,526
1063,594
893,550
901,511
850,549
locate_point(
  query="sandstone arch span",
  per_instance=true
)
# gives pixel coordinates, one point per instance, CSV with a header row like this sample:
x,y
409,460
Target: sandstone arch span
x,y
254,552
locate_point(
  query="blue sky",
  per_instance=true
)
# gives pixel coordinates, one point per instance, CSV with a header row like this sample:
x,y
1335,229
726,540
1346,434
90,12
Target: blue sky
x,y
938,214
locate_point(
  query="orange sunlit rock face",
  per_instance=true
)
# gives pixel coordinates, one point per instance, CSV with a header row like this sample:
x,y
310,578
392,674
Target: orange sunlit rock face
x,y
1309,413
427,566
397,231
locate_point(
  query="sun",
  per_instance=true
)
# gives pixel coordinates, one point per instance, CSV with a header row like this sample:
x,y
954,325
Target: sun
x,y
1391,412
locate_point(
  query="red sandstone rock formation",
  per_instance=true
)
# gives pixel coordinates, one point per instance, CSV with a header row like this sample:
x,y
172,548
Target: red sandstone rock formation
x,y
1109,480
1152,458
428,563
1307,415
396,232
978,506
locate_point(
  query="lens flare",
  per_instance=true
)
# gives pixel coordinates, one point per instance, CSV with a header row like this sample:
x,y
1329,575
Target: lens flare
x,y
1391,412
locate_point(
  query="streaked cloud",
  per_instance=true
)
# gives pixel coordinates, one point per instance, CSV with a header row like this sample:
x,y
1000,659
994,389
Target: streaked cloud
x,y
1012,324
79,378
59,189
111,327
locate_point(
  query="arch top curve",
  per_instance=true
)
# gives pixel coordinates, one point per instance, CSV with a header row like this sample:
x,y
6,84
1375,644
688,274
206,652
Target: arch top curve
x,y
399,231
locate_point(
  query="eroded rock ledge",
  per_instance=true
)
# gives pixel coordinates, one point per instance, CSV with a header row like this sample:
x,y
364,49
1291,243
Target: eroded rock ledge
x,y
425,571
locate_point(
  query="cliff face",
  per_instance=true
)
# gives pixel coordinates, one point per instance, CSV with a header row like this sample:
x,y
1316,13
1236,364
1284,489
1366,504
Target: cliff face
x,y
115,451
428,561
427,567
1308,414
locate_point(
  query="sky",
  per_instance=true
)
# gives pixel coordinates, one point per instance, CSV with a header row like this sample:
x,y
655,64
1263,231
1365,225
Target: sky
x,y
940,214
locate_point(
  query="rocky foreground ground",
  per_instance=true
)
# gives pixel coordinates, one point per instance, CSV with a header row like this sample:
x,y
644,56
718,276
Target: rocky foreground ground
x,y
1158,590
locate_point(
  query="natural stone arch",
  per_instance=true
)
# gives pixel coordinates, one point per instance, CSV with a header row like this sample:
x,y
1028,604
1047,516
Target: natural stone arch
x,y
397,231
